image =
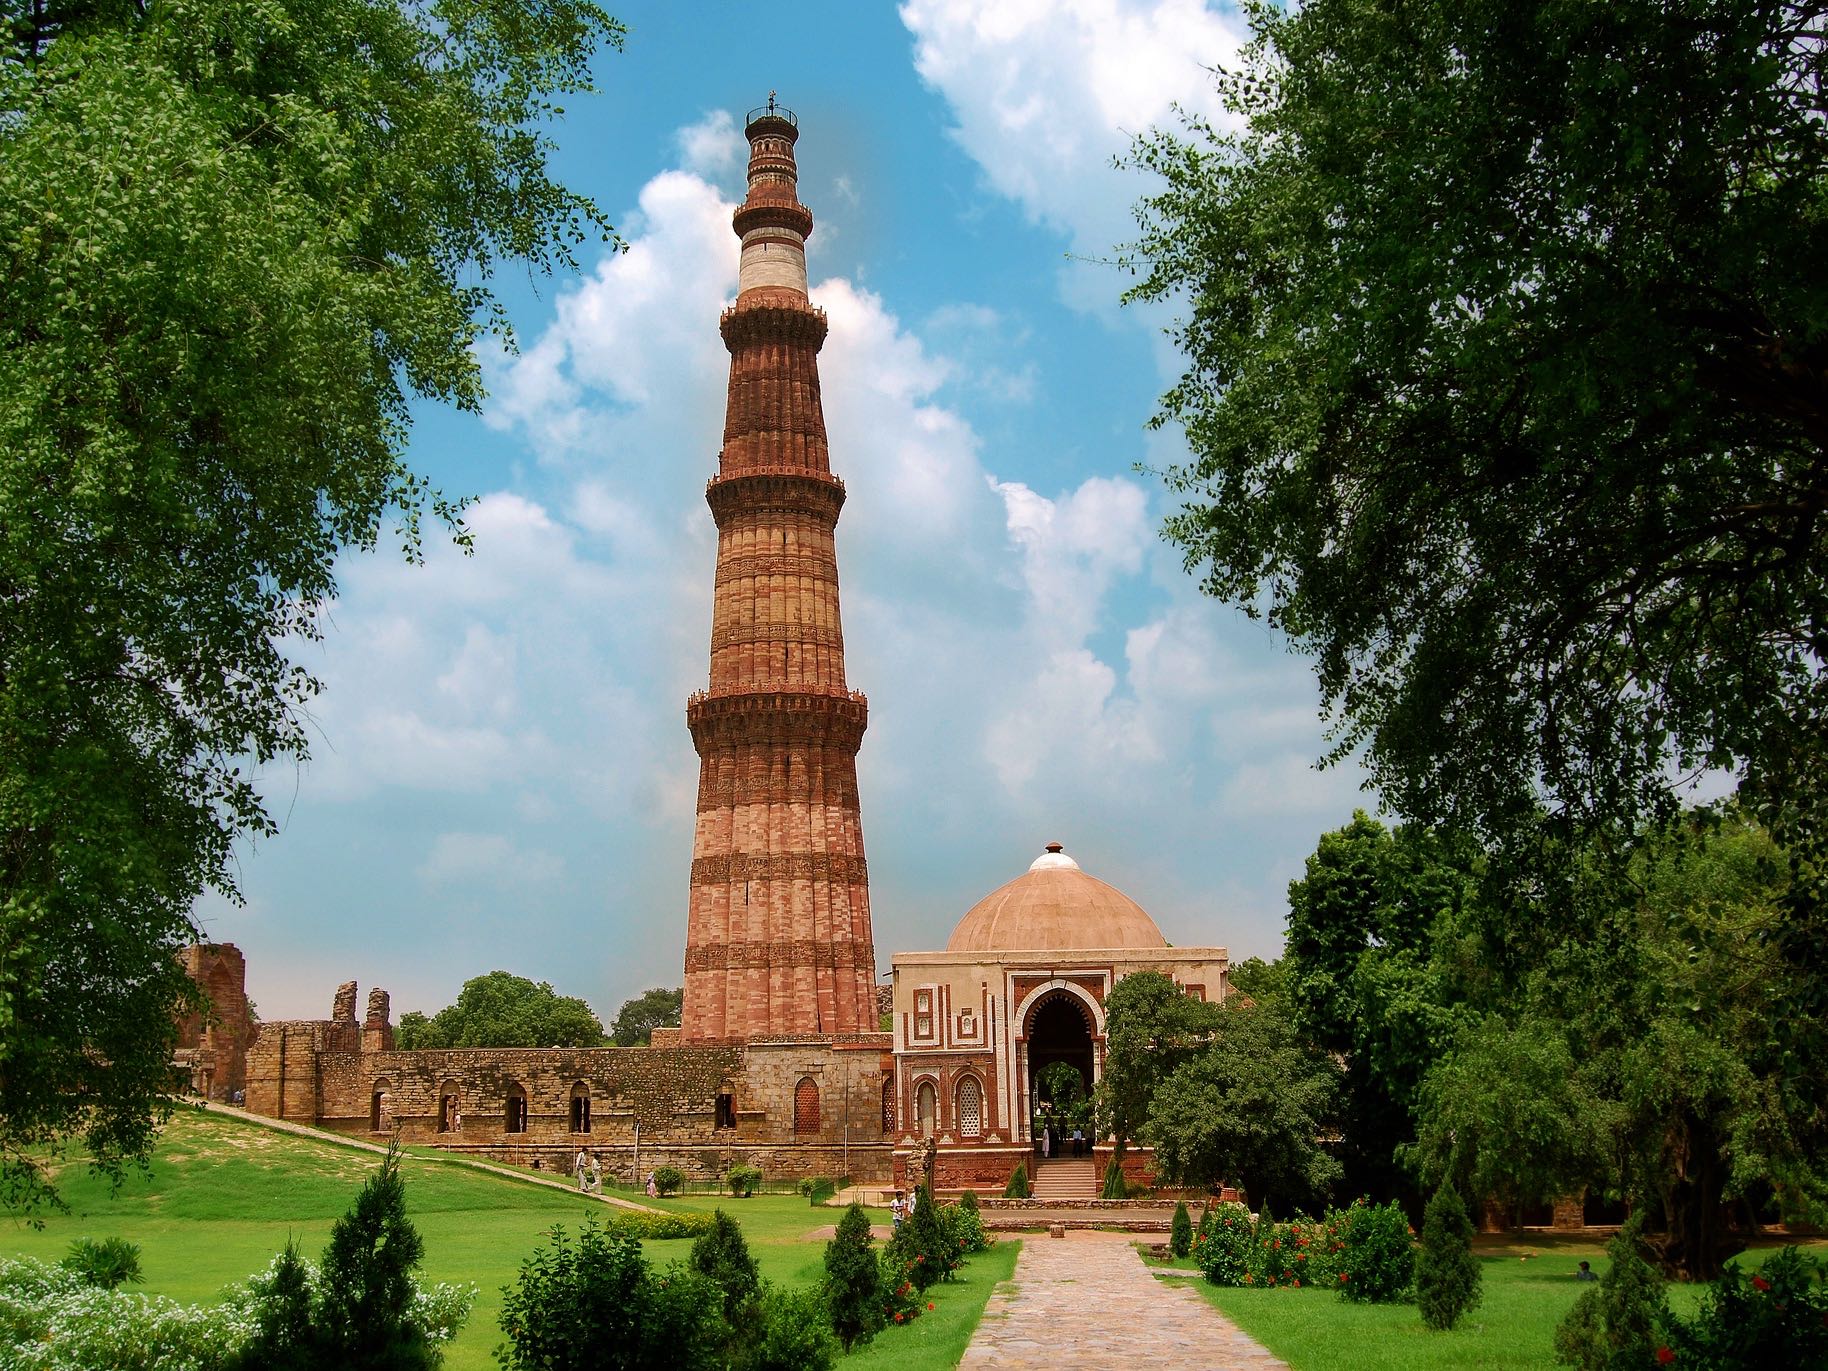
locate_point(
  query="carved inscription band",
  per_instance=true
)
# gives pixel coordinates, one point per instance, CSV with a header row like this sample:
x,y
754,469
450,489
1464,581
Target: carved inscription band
x,y
727,635
845,868
794,952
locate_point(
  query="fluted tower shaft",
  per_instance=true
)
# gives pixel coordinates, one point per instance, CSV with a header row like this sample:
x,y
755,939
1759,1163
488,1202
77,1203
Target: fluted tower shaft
x,y
778,930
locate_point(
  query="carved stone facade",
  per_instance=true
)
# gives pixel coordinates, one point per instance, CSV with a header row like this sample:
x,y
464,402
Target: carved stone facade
x,y
778,938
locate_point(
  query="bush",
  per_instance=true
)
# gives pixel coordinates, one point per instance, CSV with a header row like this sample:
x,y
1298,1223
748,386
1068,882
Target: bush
x,y
1180,1232
1222,1247
1114,1186
722,1257
656,1225
817,1189
595,1304
1378,1260
1778,1317
1017,1189
742,1181
853,1280
965,1229
283,1339
668,1179
1446,1272
789,1334
902,1299
104,1262
923,1247
968,1200
1296,1254
1614,1324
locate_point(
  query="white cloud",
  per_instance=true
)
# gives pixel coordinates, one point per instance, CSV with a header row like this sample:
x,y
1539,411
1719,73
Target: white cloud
x,y
712,147
1290,784
472,859
1047,92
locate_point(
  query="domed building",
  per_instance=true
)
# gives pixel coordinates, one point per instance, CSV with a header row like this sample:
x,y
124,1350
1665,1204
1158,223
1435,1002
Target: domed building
x,y
1021,985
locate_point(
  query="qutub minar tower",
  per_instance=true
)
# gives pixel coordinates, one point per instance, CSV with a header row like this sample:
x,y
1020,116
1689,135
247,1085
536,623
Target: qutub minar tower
x,y
778,937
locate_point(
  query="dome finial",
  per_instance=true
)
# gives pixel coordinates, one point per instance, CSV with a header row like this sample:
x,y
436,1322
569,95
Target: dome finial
x,y
1056,847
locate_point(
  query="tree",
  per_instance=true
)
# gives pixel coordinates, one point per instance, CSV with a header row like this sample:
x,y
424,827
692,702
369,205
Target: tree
x,y
504,1010
236,236
364,1316
853,1280
1644,1050
721,1255
1376,973
1506,391
1446,1272
638,1018
1251,1106
1151,1026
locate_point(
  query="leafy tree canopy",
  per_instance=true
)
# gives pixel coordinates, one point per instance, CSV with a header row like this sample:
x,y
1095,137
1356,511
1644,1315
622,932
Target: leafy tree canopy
x,y
1151,1026
1507,389
638,1018
503,1010
236,238
1251,1107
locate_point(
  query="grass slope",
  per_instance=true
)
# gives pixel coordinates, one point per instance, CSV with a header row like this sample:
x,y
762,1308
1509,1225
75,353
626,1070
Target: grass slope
x,y
224,1195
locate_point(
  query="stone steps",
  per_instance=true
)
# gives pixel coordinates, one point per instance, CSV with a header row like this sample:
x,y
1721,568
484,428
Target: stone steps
x,y
1065,1178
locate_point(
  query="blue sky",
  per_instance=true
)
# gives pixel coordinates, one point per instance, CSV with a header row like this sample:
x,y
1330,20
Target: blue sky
x,y
501,774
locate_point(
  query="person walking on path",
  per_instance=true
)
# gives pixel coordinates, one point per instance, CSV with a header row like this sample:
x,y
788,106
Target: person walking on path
x,y
580,1165
653,1190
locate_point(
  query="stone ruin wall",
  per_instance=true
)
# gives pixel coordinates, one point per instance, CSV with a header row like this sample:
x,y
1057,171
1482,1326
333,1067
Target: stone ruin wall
x,y
328,1073
212,1045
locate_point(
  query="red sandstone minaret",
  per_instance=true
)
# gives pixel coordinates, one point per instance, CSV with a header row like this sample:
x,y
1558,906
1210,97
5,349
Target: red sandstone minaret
x,y
778,932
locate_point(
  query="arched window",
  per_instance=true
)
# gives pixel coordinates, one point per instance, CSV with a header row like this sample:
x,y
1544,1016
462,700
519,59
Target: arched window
x,y
580,1108
377,1107
926,1107
970,1108
806,1106
450,1108
514,1110
888,1105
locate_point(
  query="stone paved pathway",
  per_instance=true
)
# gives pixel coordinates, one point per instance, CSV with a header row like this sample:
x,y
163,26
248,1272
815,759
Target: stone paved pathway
x,y
1087,1300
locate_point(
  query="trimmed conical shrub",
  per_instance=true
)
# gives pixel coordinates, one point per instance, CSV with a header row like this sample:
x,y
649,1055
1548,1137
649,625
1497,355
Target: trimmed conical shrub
x,y
1180,1233
1446,1272
1017,1189
853,1280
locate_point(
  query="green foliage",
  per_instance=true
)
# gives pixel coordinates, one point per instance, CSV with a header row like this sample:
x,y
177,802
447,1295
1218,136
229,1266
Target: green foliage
x,y
1017,1189
1778,1317
668,1179
504,1010
817,1189
595,1304
1223,1245
967,1199
1446,1272
636,1021
283,1338
1151,1026
1113,1186
1292,1255
1508,1114
1257,979
363,1317
1248,1106
1378,1260
104,1262
1180,1231
1455,296
922,1247
964,1230
722,1256
790,1334
853,1280
237,239
1615,1324
659,1226
742,1180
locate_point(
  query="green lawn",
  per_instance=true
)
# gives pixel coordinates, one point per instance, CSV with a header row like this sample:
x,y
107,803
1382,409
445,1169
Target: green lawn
x,y
1528,1286
223,1196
